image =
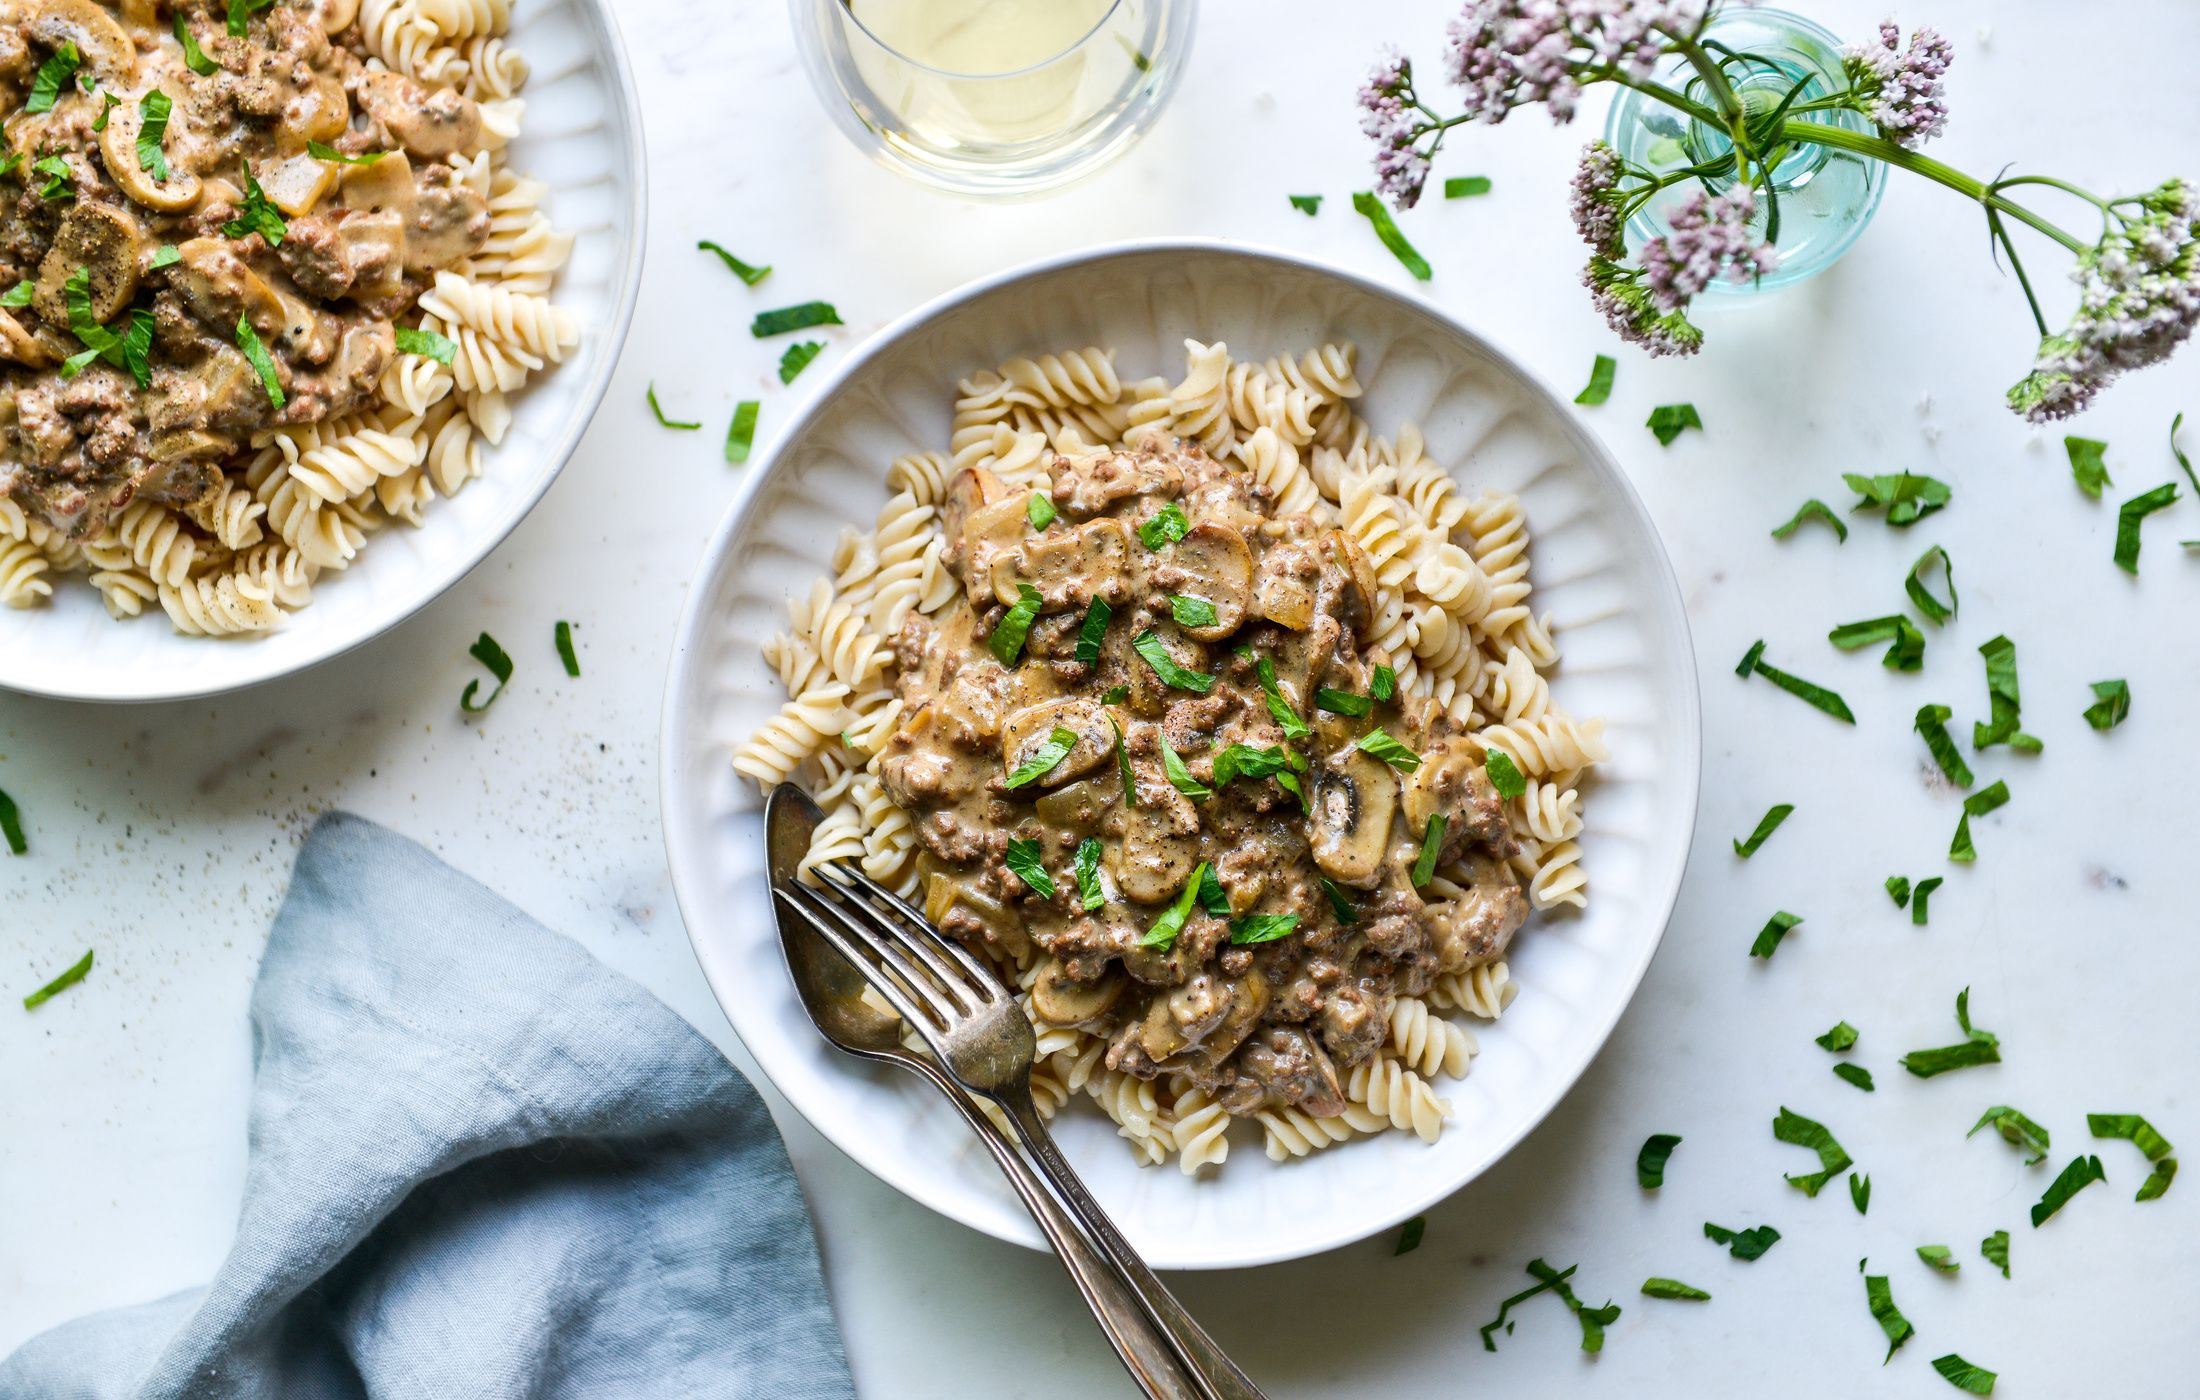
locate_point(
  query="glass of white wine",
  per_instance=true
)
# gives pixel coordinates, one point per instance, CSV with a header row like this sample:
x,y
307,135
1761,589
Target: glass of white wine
x,y
994,97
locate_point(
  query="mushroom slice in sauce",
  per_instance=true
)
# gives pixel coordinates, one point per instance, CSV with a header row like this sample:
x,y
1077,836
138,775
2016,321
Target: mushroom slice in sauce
x,y
1213,562
1029,728
1355,795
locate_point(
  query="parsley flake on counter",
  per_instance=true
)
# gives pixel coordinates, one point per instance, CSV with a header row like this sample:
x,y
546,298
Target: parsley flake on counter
x,y
1921,596
1808,692
321,150
1373,211
58,985
1775,929
1543,1284
662,421
1860,1193
1432,842
1978,804
1044,759
11,827
261,361
1179,776
1086,867
1166,527
797,359
1464,186
2001,696
749,275
1907,652
2017,1130
1940,1257
1879,1297
741,432
1674,1289
794,318
1340,903
1150,646
486,651
1907,497
1995,1248
1657,1150
1745,1245
1771,823
2081,1173
1898,890
1191,612
1391,751
1841,1037
1504,774
1007,641
1978,1047
1409,1236
1932,726
1171,923
2111,704
1094,630
2140,1134
411,340
1669,420
52,76
1813,509
1307,204
1039,510
1924,892
1261,928
1974,1380
1797,1131
19,295
1342,702
1593,1320
257,214
1383,685
1123,764
562,634
2088,465
2128,517
1599,388
1026,861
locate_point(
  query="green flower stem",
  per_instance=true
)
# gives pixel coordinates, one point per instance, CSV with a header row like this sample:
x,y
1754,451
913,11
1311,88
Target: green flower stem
x,y
1879,148
1731,114
1658,92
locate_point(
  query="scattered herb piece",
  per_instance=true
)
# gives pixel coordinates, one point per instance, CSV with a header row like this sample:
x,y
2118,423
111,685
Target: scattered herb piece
x,y
261,361
1841,1037
1307,204
1978,804
2017,1130
1907,652
1391,751
60,177
1657,1150
794,318
1095,630
19,295
1504,774
1543,1284
1978,1047
740,269
321,150
1813,509
1115,695
1039,510
1593,1320
486,651
562,634
1262,928
1007,641
52,76
2087,464
2140,1134
1996,1249
1167,526
741,433
257,214
1044,759
58,985
1925,889
1342,702
1151,647
1090,895
662,421
1793,1128
1775,929
1026,861
1669,420
1743,1244
1964,1376
1340,903
1599,388
2128,516
2001,696
1191,612
1898,890
1462,186
2081,1173
1123,763
1879,1296
1921,596
11,826
1171,923
240,11
1906,496
797,358
1806,691
1294,728
2111,704
413,341
107,104
1939,1256
1432,842
1765,828
1932,725
1383,685
1409,1234
1179,776
1251,761
2179,453
1372,209
1860,1193
152,127
1673,1289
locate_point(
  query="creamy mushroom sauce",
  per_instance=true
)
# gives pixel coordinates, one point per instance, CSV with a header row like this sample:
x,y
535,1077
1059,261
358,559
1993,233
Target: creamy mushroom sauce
x,y
362,242
1255,1025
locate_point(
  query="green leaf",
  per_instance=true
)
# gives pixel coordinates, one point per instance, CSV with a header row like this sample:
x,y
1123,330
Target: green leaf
x,y
1898,890
1939,1256
1171,923
1342,702
1907,652
1995,1248
1026,861
52,76
2128,516
262,362
1463,186
740,269
321,150
1383,684
1307,204
1674,1289
1932,726
1669,420
2140,1134
1978,1047
2017,1130
486,651
1094,629
1295,729
2111,704
1841,1037
1192,612
1262,928
1813,509
1123,765
1090,895
1212,897
1156,652
562,635
58,985
1179,776
1115,695
1775,929
2081,1173
2001,695
1167,526
1391,751
11,828
1808,692
1340,903
1921,596
1657,1150
1593,1320
1745,1245
60,177
1978,804
1039,510
1879,1297
242,10
1793,1128
1432,844
1765,828
1545,1281
2179,453
1599,388
166,255
1925,889
1044,759
152,128
741,433
257,214
663,421
1251,761
2087,464
107,104
1409,1234
19,295
1860,1193
1007,641
1961,1374
1907,497
1504,774
794,318
797,358
443,350
1372,209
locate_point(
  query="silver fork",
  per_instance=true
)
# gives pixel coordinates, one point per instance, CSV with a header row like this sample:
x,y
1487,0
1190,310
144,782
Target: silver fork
x,y
980,1036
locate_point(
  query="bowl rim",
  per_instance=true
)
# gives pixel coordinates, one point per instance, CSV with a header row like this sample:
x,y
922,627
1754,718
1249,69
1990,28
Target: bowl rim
x,y
674,775
588,399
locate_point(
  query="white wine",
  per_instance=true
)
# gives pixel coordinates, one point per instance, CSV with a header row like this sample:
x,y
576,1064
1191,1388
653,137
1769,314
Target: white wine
x,y
980,37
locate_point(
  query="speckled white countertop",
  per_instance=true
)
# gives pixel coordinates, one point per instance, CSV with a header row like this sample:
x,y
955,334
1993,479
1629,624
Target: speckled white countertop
x,y
162,835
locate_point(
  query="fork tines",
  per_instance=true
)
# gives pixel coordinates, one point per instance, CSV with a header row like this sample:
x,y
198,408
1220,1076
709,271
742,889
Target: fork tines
x,y
930,979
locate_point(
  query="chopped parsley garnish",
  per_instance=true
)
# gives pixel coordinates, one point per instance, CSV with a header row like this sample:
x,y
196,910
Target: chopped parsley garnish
x,y
1841,1037
1860,1193
1669,420
1879,1297
2111,704
2088,465
1307,204
1673,1289
19,295
1906,496
2179,453
740,269
1504,774
1212,897
1156,652
1095,628
1179,776
1932,726
1391,751
1854,1074
1806,691
1813,509
1978,1047
1921,596
1191,612
741,432
152,127
794,318
1409,1235
486,651
562,634
1974,1380
1593,1320
1907,652
107,104
1167,526
1262,928
1342,702
1744,1245
1432,843
1599,387
1978,804
1797,1131
1462,186
168,254
58,985
1925,889
1545,1281
1294,728
1995,1248
257,214
2140,1134
1340,903
1115,695
2001,695
60,177
1090,895
1171,923
1383,684
1939,1256
1007,641
321,150
1123,764
797,358
1775,929
2081,1173
241,11
2017,1130
1771,823
52,76
1026,861
131,350
1044,759
443,350
1898,890
11,828
265,364
1657,1150
1372,209
663,421
1039,510
1249,761
2128,516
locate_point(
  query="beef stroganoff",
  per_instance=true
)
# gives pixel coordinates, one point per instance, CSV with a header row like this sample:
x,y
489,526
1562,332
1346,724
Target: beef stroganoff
x,y
272,287
1218,723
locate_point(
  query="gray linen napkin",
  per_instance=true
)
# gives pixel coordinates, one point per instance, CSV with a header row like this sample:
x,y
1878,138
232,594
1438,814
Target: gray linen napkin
x,y
483,1165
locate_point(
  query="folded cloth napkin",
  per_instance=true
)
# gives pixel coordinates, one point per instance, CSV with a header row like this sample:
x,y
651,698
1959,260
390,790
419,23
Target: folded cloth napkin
x,y
482,1165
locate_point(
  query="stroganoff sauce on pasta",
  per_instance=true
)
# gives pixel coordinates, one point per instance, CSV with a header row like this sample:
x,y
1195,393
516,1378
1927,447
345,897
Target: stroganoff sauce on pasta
x,y
225,247
1109,687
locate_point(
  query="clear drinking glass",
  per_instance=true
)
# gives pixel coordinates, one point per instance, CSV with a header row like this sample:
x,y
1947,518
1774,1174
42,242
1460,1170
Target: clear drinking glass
x,y
994,97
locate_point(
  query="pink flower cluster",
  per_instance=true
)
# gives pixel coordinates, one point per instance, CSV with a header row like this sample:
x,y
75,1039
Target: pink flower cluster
x,y
1900,90
1710,235
1511,53
1386,115
1596,199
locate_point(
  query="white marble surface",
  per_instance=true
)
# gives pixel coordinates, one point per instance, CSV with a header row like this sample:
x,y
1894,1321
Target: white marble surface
x,y
162,835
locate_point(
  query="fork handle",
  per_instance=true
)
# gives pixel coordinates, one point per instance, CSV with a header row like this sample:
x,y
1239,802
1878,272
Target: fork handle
x,y
1219,1377
1146,1351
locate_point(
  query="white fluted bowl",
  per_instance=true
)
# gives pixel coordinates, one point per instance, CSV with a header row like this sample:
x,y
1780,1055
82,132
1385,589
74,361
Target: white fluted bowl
x,y
1598,567
581,136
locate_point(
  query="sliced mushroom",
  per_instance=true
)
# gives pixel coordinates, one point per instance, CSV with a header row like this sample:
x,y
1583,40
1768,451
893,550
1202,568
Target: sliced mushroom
x,y
382,186
1068,567
21,346
186,443
1283,585
335,16
1076,807
1156,846
1451,782
1218,566
1347,589
295,184
104,44
1028,729
431,123
1219,1038
118,152
1355,796
990,534
317,111
218,287
1060,1001
102,240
